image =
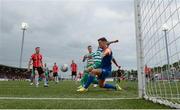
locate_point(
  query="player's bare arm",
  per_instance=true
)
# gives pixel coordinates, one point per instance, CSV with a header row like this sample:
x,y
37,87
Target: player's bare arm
x,y
114,61
106,52
29,64
111,42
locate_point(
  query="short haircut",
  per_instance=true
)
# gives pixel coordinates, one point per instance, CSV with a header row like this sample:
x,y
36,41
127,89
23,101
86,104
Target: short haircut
x,y
37,47
102,39
89,46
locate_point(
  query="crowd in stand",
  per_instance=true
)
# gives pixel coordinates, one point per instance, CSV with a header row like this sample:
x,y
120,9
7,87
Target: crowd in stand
x,y
162,73
13,73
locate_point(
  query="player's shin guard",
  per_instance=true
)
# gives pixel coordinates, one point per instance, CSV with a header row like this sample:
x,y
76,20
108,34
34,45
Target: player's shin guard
x,y
109,86
89,81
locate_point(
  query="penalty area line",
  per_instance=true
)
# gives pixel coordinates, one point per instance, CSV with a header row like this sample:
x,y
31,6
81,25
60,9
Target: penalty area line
x,y
34,98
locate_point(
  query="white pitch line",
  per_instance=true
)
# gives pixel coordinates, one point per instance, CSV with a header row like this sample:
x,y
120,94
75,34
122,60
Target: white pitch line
x,y
31,98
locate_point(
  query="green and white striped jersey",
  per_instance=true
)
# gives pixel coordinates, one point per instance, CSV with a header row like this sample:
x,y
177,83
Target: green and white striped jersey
x,y
89,58
97,56
94,57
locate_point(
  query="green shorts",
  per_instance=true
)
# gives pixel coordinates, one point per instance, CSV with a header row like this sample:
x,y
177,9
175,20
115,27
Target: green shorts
x,y
32,73
96,65
46,74
89,65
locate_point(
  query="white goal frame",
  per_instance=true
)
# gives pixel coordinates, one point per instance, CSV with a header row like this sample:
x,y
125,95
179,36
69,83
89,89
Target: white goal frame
x,y
140,62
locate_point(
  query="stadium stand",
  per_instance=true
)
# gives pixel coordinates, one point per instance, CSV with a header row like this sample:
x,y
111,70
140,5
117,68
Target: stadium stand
x,y
13,73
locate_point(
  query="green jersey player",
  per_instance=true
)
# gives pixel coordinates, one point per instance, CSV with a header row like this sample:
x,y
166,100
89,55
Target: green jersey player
x,y
90,62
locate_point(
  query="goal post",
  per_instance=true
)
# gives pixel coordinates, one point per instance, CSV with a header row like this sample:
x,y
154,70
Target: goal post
x,y
141,77
157,25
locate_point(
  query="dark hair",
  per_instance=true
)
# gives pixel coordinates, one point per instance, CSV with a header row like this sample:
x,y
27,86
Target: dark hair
x,y
89,46
102,39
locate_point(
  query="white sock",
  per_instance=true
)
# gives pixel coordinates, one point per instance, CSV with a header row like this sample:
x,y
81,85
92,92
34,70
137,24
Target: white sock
x,y
36,79
44,81
57,79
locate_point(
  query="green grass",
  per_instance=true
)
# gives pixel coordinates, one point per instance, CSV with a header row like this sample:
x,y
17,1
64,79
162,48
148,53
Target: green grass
x,y
116,104
67,89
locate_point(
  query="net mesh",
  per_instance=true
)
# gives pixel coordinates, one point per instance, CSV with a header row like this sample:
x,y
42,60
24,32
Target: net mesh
x,y
160,30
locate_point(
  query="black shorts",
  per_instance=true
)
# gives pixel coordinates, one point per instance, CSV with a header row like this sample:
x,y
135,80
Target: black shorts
x,y
39,69
147,75
55,74
74,73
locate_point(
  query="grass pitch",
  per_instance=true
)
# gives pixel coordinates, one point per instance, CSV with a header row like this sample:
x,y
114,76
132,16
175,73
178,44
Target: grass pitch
x,y
20,95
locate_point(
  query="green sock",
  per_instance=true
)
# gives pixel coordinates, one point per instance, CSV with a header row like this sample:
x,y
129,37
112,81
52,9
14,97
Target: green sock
x,y
95,81
84,78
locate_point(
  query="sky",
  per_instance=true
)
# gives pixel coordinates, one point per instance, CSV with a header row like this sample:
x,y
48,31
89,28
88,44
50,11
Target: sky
x,y
64,28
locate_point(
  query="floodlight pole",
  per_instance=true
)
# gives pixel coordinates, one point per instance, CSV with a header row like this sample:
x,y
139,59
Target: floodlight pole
x,y
24,28
167,50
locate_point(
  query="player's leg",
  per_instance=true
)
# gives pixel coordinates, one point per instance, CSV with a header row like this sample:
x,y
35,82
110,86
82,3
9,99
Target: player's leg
x,y
42,74
88,70
36,77
54,75
32,77
103,76
85,75
75,75
95,82
96,65
72,77
44,79
84,78
47,77
72,74
102,73
57,78
91,77
102,84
